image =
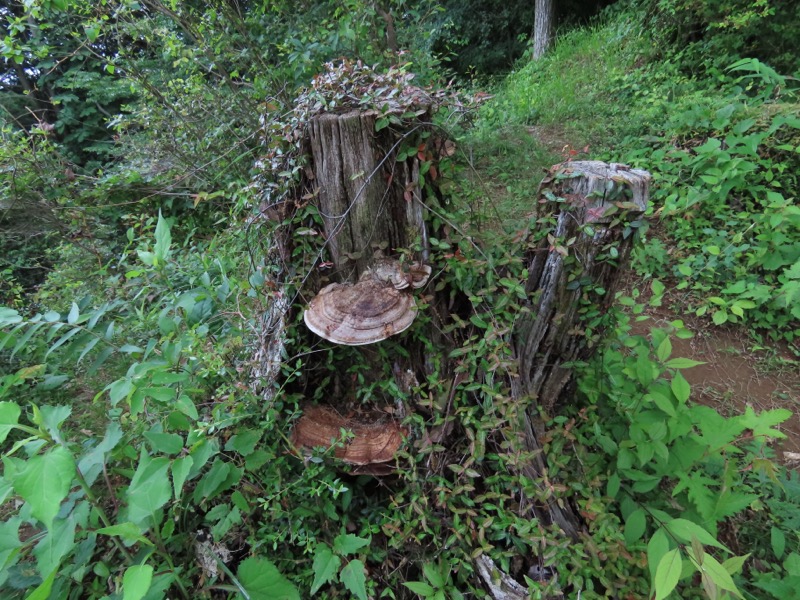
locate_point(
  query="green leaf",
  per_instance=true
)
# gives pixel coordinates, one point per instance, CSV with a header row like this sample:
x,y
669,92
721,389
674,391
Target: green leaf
x,y
719,317
683,363
664,349
735,563
180,471
353,578
45,482
149,489
128,532
9,417
762,423
326,566
347,543
136,582
168,443
778,542
262,581
657,547
73,315
163,240
719,575
635,525
244,442
684,529
58,542
433,573
680,387
418,587
43,591
612,488
668,573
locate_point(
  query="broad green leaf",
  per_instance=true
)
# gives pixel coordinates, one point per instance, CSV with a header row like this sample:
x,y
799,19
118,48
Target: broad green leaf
x,y
719,575
635,525
244,442
347,543
168,443
180,471
657,547
45,481
73,315
9,316
778,542
684,529
612,488
9,416
128,532
762,423
353,578
735,563
326,566
59,540
668,573
52,417
136,582
262,581
163,240
664,350
680,387
418,587
43,591
149,489
119,390
91,463
434,575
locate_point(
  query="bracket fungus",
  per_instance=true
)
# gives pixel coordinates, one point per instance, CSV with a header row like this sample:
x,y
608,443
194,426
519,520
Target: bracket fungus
x,y
370,446
375,308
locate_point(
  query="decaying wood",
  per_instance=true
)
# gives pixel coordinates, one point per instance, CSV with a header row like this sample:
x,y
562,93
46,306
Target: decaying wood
x,y
370,443
366,198
563,278
560,273
500,585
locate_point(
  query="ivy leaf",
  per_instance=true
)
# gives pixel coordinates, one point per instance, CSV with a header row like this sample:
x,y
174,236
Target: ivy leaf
x,y
668,573
353,578
326,566
262,581
349,544
45,482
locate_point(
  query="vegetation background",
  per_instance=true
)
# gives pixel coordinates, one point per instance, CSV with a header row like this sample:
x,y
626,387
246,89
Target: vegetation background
x,y
138,460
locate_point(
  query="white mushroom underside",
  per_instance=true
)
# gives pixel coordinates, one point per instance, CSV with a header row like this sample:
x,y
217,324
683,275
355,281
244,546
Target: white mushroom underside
x,y
364,313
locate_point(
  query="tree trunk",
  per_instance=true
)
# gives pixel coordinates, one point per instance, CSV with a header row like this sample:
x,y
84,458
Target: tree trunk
x,y
542,27
368,201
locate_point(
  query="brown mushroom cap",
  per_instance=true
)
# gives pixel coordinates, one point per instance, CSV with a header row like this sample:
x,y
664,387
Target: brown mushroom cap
x,y
364,313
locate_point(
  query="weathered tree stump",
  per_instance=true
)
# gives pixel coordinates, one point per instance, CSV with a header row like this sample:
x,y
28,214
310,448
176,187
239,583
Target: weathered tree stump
x,y
368,200
576,269
572,276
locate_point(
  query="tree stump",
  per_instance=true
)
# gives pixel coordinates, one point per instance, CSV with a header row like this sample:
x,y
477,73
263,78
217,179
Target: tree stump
x,y
574,272
367,200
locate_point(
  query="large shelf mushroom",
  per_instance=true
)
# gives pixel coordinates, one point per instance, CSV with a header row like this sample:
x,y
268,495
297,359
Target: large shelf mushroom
x,y
378,306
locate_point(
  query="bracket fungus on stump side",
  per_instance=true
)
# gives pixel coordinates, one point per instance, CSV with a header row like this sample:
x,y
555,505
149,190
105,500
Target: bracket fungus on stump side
x,y
371,449
377,307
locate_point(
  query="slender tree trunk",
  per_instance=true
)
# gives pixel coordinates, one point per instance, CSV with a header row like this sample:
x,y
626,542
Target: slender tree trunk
x,y
542,27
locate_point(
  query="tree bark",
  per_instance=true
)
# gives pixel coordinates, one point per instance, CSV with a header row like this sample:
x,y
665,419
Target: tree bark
x,y
542,27
368,201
